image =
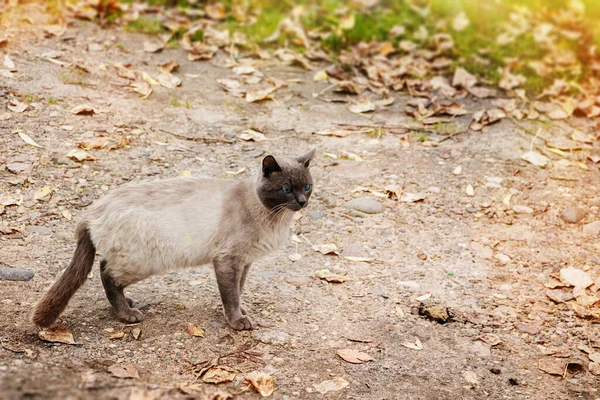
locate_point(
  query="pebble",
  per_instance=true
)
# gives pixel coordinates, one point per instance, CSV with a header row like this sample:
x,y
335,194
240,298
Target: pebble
x,y
40,230
316,215
482,251
502,258
15,274
298,280
573,214
471,209
529,329
272,336
592,228
18,167
523,210
366,205
256,153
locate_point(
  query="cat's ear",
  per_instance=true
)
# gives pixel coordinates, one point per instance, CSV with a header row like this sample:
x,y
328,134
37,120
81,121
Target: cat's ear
x,y
269,165
305,158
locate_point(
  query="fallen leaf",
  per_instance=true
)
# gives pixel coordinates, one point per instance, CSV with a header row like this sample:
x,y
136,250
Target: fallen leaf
x,y
115,335
259,94
326,248
329,276
124,370
332,385
334,132
457,170
84,109
263,383
424,297
358,259
535,158
80,155
94,143
411,197
136,332
9,64
168,80
67,215
41,193
238,172
594,368
320,76
154,45
252,135
57,334
362,107
417,345
471,378
143,88
244,70
27,139
295,257
215,11
460,22
219,374
149,79
193,330
552,366
168,67
463,79
469,190
354,356
576,277
17,106
124,71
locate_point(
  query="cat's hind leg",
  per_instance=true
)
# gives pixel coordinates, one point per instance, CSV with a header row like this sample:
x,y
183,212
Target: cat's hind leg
x,y
122,305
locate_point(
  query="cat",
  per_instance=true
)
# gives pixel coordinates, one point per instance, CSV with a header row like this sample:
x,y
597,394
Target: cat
x,y
151,228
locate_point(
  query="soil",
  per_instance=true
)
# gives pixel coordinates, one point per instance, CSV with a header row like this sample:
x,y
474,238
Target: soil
x,y
443,250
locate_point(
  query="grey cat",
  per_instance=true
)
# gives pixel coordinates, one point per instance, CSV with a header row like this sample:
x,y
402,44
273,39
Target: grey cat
x,y
151,228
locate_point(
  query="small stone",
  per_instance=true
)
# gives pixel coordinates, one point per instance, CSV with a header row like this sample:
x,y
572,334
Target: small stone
x,y
502,258
560,295
15,274
40,230
256,153
592,228
365,205
316,215
17,168
281,308
61,161
573,214
495,371
272,336
529,329
422,256
471,209
523,210
436,313
298,280
482,251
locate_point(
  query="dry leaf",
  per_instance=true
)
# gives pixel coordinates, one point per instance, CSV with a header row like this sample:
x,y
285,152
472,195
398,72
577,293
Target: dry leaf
x,y
417,345
334,132
457,170
168,67
295,257
193,330
27,139
116,335
259,94
358,259
215,11
80,155
238,172
9,64
17,106
326,248
95,143
84,109
331,385
364,106
124,72
330,276
535,158
471,377
424,297
57,334
124,370
168,80
320,76
575,277
149,79
463,79
67,215
263,383
136,332
470,191
218,374
252,135
142,88
411,197
154,45
354,356
41,193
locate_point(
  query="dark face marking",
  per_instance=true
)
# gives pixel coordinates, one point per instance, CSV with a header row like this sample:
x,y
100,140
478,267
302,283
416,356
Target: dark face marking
x,y
286,183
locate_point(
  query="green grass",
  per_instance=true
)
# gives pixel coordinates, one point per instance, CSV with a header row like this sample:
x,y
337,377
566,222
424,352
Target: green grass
x,y
28,98
145,25
74,76
52,100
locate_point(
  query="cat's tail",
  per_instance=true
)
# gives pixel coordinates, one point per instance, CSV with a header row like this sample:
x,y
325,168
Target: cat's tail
x,y
55,300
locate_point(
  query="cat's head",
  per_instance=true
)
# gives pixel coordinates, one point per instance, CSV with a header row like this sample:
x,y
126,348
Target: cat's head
x,y
285,182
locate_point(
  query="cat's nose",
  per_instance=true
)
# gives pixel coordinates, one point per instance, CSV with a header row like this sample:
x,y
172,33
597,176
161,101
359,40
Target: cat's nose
x,y
301,203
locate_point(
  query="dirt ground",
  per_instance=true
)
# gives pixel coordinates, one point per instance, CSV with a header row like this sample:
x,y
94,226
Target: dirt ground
x,y
484,258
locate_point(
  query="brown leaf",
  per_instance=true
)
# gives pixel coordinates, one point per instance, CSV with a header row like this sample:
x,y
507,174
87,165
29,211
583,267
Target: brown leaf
x,y
80,155
354,356
576,277
215,11
124,71
168,67
154,45
463,79
332,385
202,52
365,105
143,88
17,106
27,139
193,330
329,276
326,248
57,334
136,332
115,335
219,374
84,109
259,94
168,80
263,383
341,133
94,143
124,370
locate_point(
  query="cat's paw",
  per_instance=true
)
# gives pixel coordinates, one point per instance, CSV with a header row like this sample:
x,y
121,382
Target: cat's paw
x,y
242,323
130,315
131,302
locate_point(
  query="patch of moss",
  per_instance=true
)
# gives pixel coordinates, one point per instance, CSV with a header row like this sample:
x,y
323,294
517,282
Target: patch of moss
x,y
145,25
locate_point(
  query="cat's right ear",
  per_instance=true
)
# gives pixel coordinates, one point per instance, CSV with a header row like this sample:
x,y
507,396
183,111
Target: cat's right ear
x,y
269,166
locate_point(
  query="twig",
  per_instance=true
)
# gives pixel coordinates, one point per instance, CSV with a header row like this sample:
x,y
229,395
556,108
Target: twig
x,y
452,136
197,139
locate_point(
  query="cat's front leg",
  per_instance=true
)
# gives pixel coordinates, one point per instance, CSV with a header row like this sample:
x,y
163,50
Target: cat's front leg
x,y
229,271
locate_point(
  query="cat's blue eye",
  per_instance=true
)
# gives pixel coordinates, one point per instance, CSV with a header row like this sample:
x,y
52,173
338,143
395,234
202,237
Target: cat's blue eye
x,y
287,190
306,188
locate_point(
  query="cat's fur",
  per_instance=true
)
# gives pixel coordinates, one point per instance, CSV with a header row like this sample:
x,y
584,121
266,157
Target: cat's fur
x,y
152,228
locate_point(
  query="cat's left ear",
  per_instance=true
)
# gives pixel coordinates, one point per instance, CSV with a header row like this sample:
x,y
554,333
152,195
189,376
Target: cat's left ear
x,y
305,158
